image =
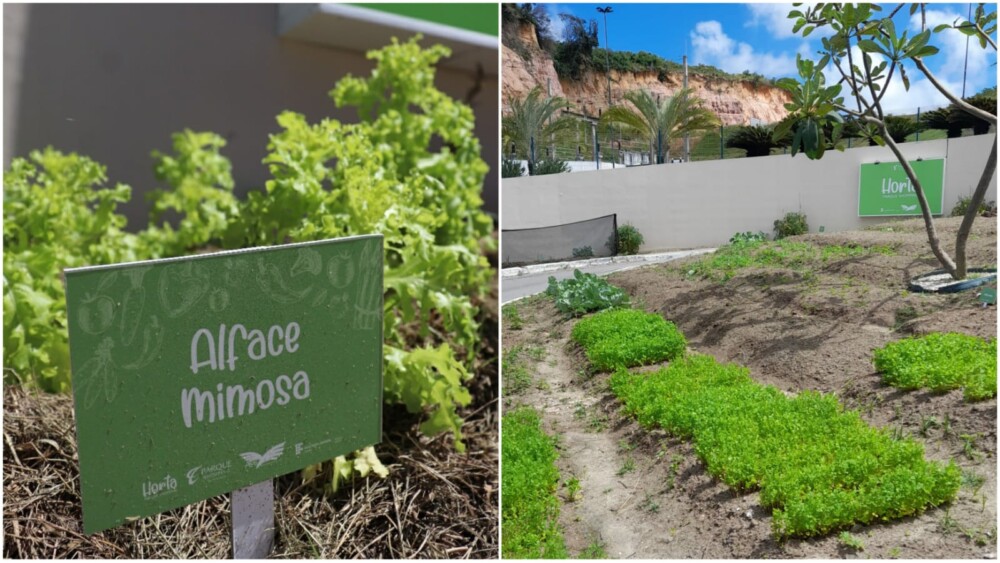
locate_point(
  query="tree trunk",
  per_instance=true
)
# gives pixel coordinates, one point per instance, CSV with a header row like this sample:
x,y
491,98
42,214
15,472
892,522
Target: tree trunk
x,y
932,236
970,214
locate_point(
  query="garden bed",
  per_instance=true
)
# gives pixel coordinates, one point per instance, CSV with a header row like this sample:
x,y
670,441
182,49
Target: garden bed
x,y
436,503
804,324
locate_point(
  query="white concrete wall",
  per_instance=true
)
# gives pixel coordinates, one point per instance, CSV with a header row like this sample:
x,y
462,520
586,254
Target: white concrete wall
x,y
700,204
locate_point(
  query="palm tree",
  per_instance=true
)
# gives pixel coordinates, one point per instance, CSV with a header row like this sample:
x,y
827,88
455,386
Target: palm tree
x,y
900,127
659,123
757,140
531,121
938,119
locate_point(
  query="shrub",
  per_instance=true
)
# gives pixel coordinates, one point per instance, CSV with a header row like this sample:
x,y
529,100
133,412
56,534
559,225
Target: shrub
x,y
551,166
748,237
583,252
939,362
530,477
819,467
510,168
627,337
629,241
790,225
757,140
584,293
986,208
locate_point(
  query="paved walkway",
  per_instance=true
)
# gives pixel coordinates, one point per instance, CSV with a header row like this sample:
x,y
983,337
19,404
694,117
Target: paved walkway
x,y
518,283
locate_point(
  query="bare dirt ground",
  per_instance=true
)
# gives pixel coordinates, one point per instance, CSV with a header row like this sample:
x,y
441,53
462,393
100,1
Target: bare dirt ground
x,y
646,495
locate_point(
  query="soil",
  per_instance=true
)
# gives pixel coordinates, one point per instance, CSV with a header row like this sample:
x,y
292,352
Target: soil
x,y
646,495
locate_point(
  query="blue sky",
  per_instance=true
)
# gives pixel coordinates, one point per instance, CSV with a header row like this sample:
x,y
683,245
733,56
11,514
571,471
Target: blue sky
x,y
758,37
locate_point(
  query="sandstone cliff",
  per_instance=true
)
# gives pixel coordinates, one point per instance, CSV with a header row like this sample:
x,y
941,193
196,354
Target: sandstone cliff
x,y
736,103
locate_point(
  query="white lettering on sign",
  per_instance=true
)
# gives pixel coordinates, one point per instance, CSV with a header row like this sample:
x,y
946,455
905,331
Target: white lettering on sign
x,y
219,351
279,340
890,186
151,489
235,400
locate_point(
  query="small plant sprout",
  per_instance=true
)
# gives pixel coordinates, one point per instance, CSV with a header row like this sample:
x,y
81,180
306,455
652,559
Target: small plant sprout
x,y
969,447
573,490
628,466
926,423
851,541
972,480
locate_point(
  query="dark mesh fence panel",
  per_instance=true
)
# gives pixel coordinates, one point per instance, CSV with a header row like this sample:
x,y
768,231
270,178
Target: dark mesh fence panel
x,y
571,241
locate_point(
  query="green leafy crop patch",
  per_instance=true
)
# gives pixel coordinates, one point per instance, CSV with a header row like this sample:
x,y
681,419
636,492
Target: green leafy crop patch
x,y
584,293
819,467
530,479
628,337
940,362
744,253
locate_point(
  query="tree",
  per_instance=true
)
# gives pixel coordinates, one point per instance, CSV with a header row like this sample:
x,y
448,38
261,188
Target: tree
x,y
531,121
986,101
865,51
534,14
938,119
757,140
573,55
900,127
659,123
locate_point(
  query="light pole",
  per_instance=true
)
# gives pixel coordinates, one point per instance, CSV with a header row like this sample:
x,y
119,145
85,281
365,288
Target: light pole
x,y
607,50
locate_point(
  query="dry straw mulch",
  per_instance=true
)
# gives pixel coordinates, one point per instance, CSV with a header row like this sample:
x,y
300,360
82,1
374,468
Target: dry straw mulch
x,y
435,503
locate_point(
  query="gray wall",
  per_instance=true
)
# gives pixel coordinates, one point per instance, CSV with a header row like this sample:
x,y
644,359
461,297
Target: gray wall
x,y
701,204
114,81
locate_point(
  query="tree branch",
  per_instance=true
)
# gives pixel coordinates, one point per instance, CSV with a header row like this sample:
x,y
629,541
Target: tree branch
x,y
925,210
965,106
973,210
984,34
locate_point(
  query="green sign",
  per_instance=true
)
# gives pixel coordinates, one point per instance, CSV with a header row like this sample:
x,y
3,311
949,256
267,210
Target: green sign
x,y
478,17
885,190
196,376
988,296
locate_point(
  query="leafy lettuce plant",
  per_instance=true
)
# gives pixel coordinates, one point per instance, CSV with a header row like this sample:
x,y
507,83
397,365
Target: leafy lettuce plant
x,y
584,293
382,174
58,213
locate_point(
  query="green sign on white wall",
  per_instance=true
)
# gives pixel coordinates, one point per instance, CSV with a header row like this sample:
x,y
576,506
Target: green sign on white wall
x,y
196,376
885,190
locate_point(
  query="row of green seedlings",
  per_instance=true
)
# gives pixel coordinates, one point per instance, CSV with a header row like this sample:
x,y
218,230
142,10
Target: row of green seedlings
x,y
941,362
530,479
818,467
747,250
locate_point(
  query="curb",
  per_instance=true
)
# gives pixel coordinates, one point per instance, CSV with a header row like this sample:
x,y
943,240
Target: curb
x,y
636,258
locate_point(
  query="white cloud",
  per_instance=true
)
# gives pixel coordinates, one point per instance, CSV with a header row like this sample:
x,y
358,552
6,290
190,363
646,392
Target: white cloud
x,y
897,99
557,26
710,45
774,18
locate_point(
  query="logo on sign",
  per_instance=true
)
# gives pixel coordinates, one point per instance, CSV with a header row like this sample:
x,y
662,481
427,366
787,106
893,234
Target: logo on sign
x,y
153,489
255,460
208,472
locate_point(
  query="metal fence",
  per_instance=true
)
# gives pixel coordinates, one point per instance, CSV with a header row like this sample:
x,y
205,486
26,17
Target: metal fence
x,y
614,146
